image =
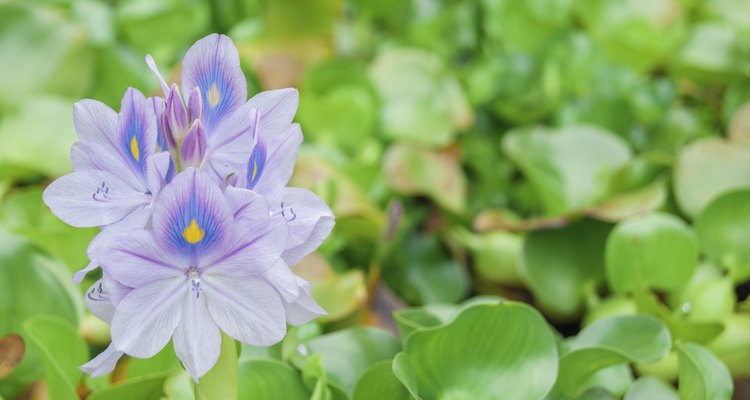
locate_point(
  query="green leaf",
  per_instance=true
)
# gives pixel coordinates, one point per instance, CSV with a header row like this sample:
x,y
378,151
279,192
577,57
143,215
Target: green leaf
x,y
653,251
567,167
26,138
527,25
679,327
62,352
221,381
42,50
421,102
420,271
379,383
708,297
700,174
430,315
488,349
496,255
34,284
632,33
702,375
25,213
733,345
269,379
417,171
650,387
346,354
561,263
712,53
339,293
722,227
608,342
142,387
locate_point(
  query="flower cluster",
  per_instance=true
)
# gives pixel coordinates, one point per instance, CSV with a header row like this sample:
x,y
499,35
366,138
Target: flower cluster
x,y
198,226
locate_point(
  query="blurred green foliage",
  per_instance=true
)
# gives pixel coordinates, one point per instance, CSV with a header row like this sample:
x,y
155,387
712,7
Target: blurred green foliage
x,y
589,158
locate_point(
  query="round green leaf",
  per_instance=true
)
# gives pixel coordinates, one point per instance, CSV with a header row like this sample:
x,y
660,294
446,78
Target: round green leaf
x,y
488,349
567,167
495,255
268,380
723,228
379,383
608,342
650,387
561,263
346,354
707,168
657,250
422,102
417,171
702,375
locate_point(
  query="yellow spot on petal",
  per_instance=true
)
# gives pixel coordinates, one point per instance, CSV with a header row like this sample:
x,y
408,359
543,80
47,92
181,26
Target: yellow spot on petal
x,y
134,149
213,96
193,233
255,171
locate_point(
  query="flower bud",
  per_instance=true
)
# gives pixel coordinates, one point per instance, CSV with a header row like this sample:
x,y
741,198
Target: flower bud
x,y
194,146
176,117
195,105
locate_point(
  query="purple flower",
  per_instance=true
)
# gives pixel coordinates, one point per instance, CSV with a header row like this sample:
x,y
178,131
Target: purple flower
x,y
198,270
255,142
117,172
198,226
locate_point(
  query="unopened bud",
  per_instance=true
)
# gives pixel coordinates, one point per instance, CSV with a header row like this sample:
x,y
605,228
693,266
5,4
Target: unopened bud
x,y
195,105
194,146
176,116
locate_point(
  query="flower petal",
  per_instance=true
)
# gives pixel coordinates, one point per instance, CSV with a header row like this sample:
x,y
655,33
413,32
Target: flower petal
x,y
80,158
160,171
231,142
136,131
213,65
278,166
152,66
246,203
157,104
248,309
256,246
135,259
309,219
197,340
304,308
283,280
99,302
104,363
92,198
148,316
277,109
192,217
94,121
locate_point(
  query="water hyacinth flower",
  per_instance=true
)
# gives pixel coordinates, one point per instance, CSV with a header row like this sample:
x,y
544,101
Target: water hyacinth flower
x,y
196,271
198,227
117,171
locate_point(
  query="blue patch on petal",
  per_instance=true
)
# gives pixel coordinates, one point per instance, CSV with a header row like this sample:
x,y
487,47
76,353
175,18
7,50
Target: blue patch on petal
x,y
195,227
132,140
256,164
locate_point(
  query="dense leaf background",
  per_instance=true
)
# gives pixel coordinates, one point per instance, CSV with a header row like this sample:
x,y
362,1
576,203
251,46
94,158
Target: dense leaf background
x,y
534,199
